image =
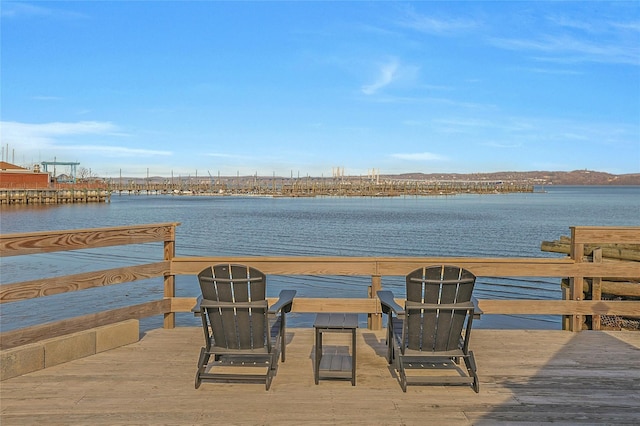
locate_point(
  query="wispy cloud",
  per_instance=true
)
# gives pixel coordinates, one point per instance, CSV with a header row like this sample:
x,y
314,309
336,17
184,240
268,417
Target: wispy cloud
x,y
386,75
114,151
56,137
442,27
601,26
15,10
551,71
46,98
221,155
419,156
476,125
615,45
501,145
43,135
25,10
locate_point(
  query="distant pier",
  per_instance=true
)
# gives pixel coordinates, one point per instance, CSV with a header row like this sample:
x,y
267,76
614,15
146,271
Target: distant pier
x,y
100,192
312,187
54,196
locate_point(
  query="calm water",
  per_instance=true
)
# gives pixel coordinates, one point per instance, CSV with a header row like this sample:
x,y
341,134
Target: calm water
x,y
497,225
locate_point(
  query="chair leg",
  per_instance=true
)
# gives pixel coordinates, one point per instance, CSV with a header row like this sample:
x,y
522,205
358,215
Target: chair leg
x,y
402,375
390,342
198,380
202,363
470,362
267,384
283,337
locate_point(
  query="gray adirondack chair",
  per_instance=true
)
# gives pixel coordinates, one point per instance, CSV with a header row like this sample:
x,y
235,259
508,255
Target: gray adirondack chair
x,y
429,332
240,329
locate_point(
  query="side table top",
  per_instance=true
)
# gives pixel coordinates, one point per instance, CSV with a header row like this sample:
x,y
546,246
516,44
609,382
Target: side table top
x,y
337,321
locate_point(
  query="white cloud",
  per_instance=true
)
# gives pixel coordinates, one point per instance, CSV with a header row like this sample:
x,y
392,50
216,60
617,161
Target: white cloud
x,y
567,49
46,98
38,136
387,74
13,10
52,137
221,155
442,27
501,145
419,156
23,10
114,151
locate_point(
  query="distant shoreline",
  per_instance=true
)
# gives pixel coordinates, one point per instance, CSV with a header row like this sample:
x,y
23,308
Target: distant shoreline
x,y
537,178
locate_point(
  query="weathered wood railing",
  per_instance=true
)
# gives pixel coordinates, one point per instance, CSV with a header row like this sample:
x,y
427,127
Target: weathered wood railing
x,y
375,267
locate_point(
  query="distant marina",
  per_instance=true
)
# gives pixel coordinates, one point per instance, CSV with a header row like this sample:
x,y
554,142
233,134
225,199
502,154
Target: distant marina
x,y
39,185
101,190
345,186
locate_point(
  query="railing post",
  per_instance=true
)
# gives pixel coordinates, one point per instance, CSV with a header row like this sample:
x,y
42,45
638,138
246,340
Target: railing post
x,y
596,288
576,283
374,321
170,279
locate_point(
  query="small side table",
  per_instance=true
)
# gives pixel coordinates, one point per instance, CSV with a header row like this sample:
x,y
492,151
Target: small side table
x,y
335,366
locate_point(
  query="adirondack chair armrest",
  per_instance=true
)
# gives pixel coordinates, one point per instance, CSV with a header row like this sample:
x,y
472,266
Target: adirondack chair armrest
x,y
388,303
197,310
476,308
284,302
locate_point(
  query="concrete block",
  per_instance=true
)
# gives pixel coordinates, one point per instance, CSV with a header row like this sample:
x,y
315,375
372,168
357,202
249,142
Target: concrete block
x,y
70,347
47,353
118,334
21,360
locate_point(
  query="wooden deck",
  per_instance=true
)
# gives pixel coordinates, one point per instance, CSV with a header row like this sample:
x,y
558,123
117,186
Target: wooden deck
x,y
591,377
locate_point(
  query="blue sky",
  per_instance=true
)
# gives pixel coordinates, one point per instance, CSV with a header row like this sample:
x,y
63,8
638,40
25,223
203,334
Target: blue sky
x,y
302,87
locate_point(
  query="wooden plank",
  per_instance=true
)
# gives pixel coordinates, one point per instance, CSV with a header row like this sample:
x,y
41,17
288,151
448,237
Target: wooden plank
x,y
170,280
286,265
561,307
618,288
576,281
329,265
606,234
13,338
481,267
75,239
55,285
610,251
311,305
526,376
596,289
487,267
508,307
374,321
607,269
185,304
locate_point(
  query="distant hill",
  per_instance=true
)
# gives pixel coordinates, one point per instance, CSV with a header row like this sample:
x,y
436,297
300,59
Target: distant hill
x,y
576,177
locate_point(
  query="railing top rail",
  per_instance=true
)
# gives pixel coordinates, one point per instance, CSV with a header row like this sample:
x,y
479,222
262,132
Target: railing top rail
x,y
370,259
93,230
398,266
605,234
64,240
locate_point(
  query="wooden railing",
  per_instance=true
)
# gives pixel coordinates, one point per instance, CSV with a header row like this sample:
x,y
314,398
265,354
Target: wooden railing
x,y
375,267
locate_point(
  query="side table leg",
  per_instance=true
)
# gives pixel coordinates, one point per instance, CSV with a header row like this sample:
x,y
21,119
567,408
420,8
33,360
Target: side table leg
x,y
316,373
353,359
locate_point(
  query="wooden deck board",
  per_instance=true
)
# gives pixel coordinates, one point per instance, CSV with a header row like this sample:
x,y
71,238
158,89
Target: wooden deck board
x,y
526,376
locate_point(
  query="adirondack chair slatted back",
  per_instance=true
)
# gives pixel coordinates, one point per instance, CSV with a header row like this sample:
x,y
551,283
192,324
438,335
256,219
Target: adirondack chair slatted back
x,y
437,328
239,318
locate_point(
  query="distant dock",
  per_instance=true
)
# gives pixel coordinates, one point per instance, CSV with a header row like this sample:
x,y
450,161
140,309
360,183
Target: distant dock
x,y
100,192
53,196
312,187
